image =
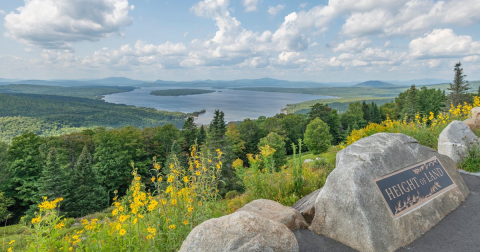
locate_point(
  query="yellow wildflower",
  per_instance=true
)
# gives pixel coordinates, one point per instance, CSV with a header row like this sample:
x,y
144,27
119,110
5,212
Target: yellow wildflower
x,y
11,242
185,179
114,212
36,220
171,226
185,222
123,232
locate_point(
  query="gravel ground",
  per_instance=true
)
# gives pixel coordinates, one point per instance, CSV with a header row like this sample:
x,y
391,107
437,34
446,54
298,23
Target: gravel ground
x,y
458,231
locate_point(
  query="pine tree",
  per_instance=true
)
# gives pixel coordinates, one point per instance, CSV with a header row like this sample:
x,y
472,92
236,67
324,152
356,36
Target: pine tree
x,y
201,135
410,108
85,194
189,133
459,87
52,181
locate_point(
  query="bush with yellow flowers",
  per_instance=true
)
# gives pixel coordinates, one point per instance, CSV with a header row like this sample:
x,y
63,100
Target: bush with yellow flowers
x,y
286,186
423,128
142,220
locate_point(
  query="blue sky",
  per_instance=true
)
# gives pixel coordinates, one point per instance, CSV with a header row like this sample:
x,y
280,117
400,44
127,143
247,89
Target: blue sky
x,y
324,41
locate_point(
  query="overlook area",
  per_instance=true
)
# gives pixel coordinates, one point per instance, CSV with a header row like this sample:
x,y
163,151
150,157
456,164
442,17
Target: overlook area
x,y
217,125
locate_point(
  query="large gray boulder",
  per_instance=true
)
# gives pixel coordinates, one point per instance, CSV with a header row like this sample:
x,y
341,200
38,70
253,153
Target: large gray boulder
x,y
240,231
306,206
277,212
351,209
455,139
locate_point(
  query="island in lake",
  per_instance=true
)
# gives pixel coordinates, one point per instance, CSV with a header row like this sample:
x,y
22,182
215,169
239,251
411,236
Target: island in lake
x,y
179,92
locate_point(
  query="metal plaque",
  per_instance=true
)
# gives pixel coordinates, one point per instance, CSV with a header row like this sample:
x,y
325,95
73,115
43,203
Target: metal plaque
x,y
409,188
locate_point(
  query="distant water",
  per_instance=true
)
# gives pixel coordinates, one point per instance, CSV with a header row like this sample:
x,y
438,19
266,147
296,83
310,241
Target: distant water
x,y
236,104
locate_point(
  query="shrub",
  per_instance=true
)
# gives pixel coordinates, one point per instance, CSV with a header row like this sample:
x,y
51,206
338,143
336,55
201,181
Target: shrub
x,y
276,142
471,161
317,136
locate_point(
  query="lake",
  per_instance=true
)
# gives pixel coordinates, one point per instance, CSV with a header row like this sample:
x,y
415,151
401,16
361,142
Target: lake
x,y
236,104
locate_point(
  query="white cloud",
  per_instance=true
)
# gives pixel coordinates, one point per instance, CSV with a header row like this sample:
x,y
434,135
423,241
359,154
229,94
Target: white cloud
x,y
2,12
274,10
250,5
56,24
185,34
352,45
443,43
413,17
303,5
28,49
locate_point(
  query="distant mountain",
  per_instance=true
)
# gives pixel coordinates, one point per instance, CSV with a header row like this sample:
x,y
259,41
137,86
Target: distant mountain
x,y
112,81
264,82
375,84
117,81
419,82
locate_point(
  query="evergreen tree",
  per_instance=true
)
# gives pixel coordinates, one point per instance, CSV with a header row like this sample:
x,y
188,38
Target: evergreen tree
x,y
201,135
216,131
24,169
458,89
189,133
411,105
52,181
85,194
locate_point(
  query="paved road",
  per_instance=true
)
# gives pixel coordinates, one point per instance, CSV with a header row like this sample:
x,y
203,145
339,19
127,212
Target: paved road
x,y
459,231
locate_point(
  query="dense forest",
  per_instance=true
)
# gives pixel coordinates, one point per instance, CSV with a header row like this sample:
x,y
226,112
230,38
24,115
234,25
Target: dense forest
x,y
179,92
53,114
92,92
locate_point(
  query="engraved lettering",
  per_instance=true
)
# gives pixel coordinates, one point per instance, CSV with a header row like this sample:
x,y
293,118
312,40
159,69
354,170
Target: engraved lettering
x,y
396,191
415,179
403,187
390,193
410,184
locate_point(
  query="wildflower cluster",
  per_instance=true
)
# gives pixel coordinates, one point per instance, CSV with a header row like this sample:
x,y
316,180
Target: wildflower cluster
x,y
46,227
145,220
424,128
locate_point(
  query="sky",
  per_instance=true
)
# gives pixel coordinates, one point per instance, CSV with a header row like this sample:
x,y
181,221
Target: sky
x,y
305,40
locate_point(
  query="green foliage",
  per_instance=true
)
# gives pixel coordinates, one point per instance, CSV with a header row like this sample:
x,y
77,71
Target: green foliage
x,y
234,140
330,117
179,92
317,136
250,133
59,112
25,168
294,127
458,89
276,142
92,92
353,117
189,133
85,193
471,160
201,135
422,101
217,130
3,163
5,203
52,180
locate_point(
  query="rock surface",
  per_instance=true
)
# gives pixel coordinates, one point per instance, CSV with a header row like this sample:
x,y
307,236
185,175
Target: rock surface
x,y
350,208
240,231
472,124
307,161
476,113
277,212
306,206
455,139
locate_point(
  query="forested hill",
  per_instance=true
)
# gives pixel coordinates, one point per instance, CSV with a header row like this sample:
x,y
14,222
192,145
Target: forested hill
x,y
92,92
62,113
